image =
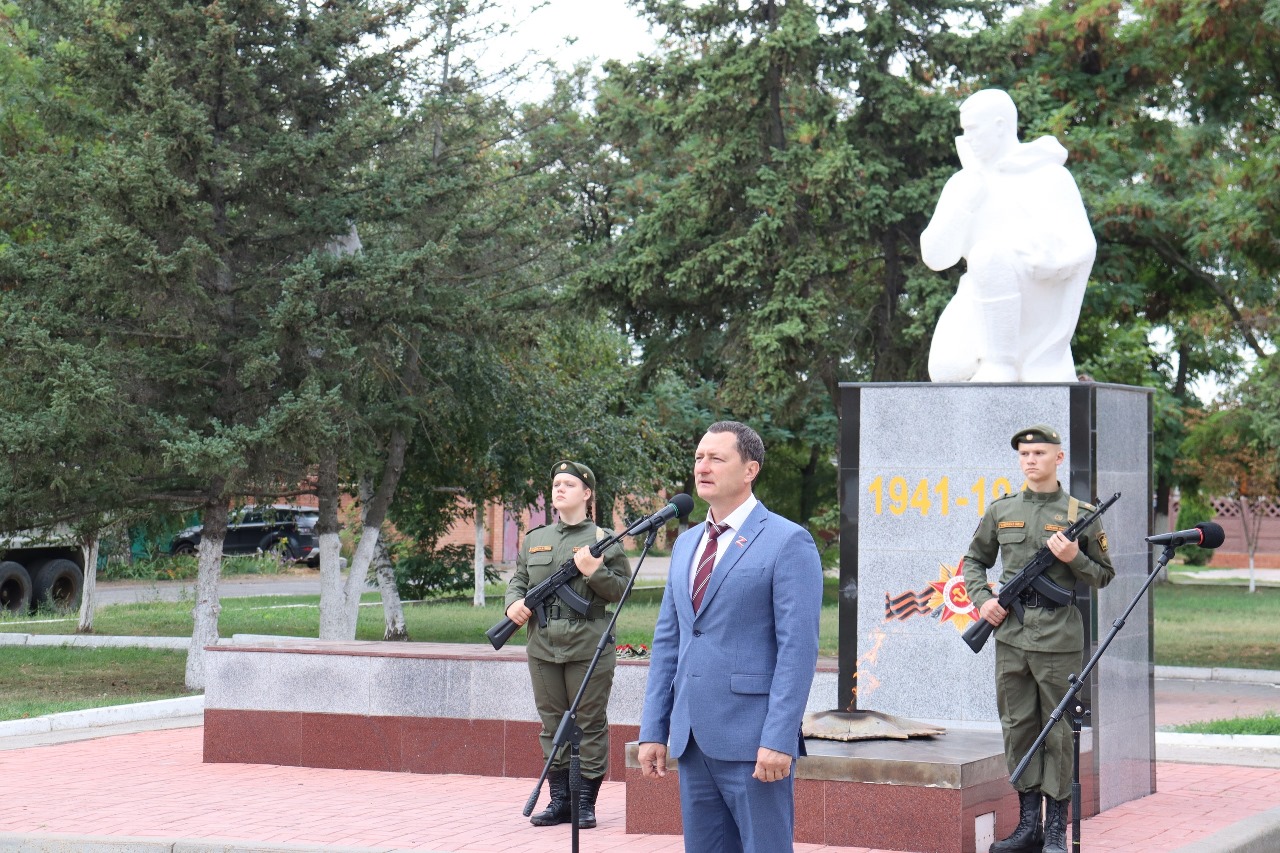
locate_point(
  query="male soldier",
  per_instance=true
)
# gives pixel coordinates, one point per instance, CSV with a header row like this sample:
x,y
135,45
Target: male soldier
x,y
560,653
1034,657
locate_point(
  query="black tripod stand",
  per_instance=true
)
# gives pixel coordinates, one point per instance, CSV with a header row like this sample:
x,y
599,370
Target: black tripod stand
x,y
568,731
1078,711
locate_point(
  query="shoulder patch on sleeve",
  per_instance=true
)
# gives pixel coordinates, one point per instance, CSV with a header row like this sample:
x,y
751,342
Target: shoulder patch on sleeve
x,y
1102,542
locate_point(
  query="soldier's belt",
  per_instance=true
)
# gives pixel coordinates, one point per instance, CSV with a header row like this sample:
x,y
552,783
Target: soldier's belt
x,y
559,610
1032,598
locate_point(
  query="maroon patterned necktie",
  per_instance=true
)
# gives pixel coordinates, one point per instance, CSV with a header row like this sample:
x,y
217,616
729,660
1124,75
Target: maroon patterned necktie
x,y
703,576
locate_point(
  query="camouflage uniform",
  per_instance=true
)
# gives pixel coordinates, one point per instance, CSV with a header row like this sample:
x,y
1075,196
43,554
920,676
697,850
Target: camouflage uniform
x,y
1034,658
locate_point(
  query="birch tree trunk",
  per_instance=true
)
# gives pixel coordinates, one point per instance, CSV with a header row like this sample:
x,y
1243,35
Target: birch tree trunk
x,y
335,623
338,614
1250,525
393,626
90,551
392,610
478,600
205,613
355,583
339,603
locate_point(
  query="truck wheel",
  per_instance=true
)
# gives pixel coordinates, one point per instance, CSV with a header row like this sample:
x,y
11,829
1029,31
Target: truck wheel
x,y
15,588
58,584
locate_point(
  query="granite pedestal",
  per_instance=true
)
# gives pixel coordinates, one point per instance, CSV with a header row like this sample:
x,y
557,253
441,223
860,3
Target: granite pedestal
x,y
400,707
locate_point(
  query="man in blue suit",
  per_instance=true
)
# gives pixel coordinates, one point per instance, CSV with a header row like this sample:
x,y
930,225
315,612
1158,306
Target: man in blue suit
x,y
733,657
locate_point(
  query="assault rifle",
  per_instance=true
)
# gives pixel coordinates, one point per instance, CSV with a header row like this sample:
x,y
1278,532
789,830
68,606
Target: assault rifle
x,y
1031,576
557,585
537,599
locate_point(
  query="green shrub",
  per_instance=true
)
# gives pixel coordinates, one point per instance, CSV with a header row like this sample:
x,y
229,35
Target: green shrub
x,y
825,528
149,569
185,567
424,574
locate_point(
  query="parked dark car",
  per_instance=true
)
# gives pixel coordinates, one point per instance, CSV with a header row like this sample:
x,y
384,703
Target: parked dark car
x,y
282,529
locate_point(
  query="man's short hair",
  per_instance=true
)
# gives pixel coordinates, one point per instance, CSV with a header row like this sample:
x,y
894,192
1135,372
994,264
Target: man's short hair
x,y
750,446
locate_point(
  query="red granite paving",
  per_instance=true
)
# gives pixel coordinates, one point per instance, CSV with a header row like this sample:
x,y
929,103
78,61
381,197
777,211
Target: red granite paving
x,y
155,785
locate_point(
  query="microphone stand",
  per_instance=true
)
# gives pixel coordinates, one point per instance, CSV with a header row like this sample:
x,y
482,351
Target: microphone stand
x,y
569,731
1079,712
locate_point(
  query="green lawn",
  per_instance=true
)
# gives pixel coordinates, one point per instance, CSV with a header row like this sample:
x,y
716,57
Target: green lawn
x,y
440,622
1267,724
38,680
1195,625
1217,626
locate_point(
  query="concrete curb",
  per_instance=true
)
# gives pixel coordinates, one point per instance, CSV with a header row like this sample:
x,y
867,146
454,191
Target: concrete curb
x,y
1259,743
1257,834
38,842
95,641
1219,673
91,718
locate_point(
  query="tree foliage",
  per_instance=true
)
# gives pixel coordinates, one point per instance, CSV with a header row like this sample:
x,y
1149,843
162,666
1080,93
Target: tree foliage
x,y
183,186
776,163
1169,109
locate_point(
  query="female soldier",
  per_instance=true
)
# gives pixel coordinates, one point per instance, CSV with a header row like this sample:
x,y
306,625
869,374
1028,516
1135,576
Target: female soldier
x,y
559,653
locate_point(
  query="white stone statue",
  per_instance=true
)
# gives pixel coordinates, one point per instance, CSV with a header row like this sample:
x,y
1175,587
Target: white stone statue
x,y
1013,212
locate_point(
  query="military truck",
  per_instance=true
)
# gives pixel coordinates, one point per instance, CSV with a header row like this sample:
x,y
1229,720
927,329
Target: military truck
x,y
40,568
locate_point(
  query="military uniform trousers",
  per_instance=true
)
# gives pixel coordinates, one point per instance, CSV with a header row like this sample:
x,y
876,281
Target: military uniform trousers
x,y
1029,686
554,687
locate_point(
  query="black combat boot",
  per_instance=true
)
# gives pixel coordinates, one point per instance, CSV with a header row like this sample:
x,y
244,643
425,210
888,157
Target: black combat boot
x,y
557,811
587,802
1028,837
1055,825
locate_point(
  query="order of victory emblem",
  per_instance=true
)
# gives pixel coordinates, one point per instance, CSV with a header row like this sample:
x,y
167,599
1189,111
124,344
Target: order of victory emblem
x,y
945,599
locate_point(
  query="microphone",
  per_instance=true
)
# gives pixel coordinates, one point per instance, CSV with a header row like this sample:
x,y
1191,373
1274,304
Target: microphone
x,y
681,505
1206,534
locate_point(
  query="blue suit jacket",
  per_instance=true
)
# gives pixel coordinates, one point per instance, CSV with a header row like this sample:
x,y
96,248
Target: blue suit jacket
x,y
738,673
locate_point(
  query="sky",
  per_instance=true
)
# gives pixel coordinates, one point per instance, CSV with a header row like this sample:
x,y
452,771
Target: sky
x,y
608,29
572,31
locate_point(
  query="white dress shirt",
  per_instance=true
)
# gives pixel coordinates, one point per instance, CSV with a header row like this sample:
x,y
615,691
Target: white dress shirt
x,y
736,519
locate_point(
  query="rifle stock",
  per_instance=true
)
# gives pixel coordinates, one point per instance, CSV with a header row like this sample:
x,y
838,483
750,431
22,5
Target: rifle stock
x,y
500,633
977,634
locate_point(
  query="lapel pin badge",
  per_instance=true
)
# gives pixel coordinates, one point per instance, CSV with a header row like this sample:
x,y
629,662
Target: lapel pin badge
x,y
741,541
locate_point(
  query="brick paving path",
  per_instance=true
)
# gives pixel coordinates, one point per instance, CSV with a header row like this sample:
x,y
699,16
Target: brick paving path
x,y
154,785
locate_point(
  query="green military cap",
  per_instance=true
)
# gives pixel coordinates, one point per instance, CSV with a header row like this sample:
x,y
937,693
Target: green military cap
x,y
1038,434
577,469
